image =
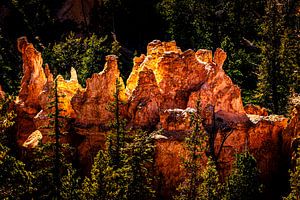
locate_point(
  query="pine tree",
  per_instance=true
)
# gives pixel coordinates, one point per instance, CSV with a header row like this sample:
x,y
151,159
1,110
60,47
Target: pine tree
x,y
140,158
15,180
294,177
243,183
85,54
195,145
210,187
55,176
109,178
278,70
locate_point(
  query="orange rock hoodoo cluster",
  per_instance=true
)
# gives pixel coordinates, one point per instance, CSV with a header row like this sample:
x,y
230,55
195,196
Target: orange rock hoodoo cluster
x,y
160,93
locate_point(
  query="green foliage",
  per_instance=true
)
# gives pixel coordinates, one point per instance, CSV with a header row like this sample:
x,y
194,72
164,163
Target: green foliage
x,y
240,66
86,55
123,171
243,183
15,180
294,179
55,177
6,121
10,65
195,145
140,161
211,187
279,67
189,22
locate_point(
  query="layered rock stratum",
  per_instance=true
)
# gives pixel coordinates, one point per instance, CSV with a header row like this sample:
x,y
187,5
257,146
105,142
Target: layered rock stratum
x,y
161,93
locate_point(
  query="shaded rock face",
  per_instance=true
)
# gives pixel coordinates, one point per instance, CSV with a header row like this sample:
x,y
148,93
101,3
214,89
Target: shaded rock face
x,y
161,93
177,119
2,93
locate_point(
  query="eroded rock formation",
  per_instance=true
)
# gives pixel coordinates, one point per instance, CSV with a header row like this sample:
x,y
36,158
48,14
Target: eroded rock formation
x,y
32,84
161,94
2,93
256,110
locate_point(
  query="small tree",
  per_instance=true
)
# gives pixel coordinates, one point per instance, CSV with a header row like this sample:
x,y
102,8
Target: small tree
x,y
86,55
211,187
55,176
139,161
195,145
243,183
109,178
15,180
294,178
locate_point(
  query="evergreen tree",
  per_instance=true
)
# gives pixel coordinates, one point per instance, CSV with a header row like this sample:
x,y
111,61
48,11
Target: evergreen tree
x,y
85,55
15,180
210,187
195,145
109,178
123,171
294,177
140,160
55,176
190,23
95,186
243,183
278,70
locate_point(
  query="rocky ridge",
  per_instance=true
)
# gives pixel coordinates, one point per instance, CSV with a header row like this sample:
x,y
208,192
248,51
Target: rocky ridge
x,y
160,94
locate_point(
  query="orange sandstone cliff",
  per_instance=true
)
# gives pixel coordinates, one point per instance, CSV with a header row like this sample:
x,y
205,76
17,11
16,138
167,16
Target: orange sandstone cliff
x,y
160,94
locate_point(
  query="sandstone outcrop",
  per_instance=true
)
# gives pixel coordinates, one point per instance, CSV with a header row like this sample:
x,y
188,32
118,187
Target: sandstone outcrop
x,y
161,94
145,102
32,84
34,78
66,90
184,77
219,89
255,110
176,119
91,104
33,139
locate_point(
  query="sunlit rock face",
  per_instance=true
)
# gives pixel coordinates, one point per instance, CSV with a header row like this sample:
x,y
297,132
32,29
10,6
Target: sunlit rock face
x,y
32,84
33,140
34,78
177,73
256,110
184,77
145,101
65,90
218,90
91,104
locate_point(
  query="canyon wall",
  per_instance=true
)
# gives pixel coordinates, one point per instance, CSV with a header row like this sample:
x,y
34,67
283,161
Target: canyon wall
x,y
161,93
